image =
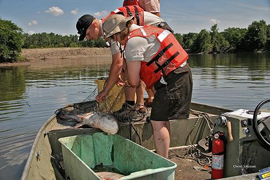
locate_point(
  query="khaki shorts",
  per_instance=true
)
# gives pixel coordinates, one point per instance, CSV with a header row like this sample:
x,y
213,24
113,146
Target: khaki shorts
x,y
172,101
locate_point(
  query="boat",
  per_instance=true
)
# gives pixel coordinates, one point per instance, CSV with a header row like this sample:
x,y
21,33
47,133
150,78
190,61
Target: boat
x,y
45,160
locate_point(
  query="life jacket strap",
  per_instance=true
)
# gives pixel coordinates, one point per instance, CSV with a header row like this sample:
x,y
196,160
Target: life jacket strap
x,y
137,15
159,54
160,67
128,11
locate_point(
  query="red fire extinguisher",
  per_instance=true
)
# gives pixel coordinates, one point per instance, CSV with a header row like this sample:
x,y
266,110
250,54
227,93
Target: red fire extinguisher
x,y
218,151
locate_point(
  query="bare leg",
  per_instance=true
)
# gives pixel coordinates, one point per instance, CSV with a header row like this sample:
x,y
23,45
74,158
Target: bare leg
x,y
153,90
129,91
140,94
168,126
161,131
150,95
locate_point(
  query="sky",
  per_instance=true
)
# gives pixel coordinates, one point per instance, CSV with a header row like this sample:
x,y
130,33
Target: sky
x,y
60,16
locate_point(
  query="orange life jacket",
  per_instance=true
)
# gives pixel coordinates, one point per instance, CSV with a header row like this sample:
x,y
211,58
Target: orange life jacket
x,y
127,11
169,57
130,2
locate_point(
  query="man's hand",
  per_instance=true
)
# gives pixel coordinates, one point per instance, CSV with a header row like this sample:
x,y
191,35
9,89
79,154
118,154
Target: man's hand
x,y
102,95
120,81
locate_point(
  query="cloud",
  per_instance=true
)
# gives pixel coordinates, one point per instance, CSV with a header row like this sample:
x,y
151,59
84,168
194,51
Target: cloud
x,y
102,13
75,11
34,22
55,11
31,32
214,21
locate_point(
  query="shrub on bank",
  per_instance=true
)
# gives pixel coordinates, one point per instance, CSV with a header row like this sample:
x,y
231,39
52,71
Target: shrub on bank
x,y
11,41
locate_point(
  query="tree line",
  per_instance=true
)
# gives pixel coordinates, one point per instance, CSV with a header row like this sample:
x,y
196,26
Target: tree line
x,y
51,40
252,39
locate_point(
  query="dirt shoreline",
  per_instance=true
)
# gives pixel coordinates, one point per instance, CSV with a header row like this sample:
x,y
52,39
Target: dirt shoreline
x,y
39,55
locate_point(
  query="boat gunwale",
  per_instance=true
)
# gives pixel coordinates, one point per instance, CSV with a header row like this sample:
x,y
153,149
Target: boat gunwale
x,y
31,153
39,134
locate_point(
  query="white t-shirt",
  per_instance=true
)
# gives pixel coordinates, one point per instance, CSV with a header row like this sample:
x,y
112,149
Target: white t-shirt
x,y
140,48
149,19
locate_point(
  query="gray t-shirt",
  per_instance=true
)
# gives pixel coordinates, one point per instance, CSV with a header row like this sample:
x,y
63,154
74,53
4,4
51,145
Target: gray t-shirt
x,y
140,48
149,19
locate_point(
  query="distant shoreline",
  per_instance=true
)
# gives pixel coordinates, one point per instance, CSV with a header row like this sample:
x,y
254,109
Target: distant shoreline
x,y
39,55
42,54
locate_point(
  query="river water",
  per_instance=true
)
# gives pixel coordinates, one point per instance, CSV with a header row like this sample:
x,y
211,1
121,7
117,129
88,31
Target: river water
x,y
30,94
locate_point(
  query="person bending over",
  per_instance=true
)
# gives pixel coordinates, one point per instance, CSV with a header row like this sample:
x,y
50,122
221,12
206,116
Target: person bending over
x,y
155,56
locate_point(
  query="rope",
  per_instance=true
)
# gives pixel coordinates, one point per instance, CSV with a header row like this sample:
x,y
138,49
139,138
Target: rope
x,y
131,126
201,116
205,116
193,153
91,94
116,99
106,104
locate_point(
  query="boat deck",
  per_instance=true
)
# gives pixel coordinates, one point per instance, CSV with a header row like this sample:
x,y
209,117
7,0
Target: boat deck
x,y
189,169
183,132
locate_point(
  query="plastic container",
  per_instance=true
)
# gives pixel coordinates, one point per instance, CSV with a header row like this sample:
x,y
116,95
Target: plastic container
x,y
83,153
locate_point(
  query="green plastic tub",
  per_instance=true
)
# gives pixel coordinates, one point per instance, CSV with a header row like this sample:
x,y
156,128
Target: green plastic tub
x,y
84,153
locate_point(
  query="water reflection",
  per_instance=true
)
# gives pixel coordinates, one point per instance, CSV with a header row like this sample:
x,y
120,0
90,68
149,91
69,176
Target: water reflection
x,y
29,95
231,80
252,61
12,83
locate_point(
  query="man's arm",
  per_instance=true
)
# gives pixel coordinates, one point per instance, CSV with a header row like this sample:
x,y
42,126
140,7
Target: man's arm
x,y
115,70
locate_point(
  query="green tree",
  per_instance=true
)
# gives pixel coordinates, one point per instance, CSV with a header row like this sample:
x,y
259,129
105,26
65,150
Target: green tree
x,y
11,41
202,42
235,37
267,46
100,42
219,43
256,36
26,40
88,43
66,41
179,38
214,38
224,45
189,39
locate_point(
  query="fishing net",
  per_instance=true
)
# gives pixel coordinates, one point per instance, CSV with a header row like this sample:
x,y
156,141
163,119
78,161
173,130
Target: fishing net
x,y
114,101
111,104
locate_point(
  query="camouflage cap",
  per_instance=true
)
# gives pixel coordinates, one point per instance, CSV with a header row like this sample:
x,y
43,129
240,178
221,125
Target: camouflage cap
x,y
115,24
